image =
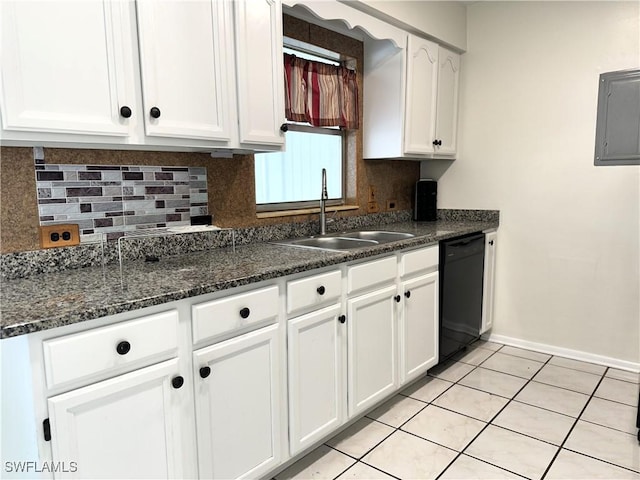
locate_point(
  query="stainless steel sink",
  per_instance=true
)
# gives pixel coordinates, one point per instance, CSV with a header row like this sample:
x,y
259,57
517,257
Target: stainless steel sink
x,y
347,240
333,243
378,236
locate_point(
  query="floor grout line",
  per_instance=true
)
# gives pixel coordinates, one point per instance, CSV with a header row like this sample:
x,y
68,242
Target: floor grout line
x,y
451,362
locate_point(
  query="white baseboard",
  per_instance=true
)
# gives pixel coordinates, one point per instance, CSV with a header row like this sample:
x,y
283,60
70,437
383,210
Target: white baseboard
x,y
564,352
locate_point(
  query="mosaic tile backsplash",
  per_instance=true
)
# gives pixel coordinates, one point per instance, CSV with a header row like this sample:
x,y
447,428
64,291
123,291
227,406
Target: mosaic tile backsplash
x,y
106,201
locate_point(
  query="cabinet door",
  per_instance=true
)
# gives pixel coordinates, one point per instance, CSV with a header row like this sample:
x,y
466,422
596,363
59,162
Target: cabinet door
x,y
316,393
419,326
371,362
490,245
260,72
186,58
238,405
420,104
67,66
126,427
447,102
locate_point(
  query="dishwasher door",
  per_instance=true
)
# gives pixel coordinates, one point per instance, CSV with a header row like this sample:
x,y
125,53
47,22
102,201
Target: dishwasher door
x,y
461,275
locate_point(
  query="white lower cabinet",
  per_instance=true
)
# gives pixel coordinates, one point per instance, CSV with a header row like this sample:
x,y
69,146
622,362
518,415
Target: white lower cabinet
x,y
490,245
371,348
238,406
316,390
131,426
418,326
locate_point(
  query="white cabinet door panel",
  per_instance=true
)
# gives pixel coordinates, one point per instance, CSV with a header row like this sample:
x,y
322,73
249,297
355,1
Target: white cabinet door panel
x,y
371,348
260,71
67,66
419,326
186,59
315,376
238,406
420,105
126,427
490,245
447,103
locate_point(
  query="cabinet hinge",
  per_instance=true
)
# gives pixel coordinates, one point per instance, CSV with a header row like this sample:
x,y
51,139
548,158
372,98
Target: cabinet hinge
x,y
46,427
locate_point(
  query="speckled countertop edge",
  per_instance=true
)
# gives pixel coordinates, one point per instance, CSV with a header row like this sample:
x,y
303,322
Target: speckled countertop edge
x,y
46,301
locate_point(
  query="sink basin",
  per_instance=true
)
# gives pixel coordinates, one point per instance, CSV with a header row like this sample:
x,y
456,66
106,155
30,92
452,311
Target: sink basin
x,y
347,241
333,243
378,236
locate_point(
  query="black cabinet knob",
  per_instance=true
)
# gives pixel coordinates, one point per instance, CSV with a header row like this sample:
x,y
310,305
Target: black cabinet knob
x,y
205,372
320,290
397,298
245,312
125,112
123,347
435,143
490,242
342,318
407,293
177,382
284,128
154,112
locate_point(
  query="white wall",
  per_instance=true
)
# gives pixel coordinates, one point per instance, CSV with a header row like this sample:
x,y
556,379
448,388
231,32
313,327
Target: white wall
x,y
568,263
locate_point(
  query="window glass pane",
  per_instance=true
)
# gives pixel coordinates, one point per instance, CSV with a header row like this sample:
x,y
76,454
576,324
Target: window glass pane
x,y
295,175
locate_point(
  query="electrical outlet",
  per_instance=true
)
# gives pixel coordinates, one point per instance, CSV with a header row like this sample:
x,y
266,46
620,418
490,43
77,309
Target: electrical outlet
x,y
373,207
391,205
373,191
63,235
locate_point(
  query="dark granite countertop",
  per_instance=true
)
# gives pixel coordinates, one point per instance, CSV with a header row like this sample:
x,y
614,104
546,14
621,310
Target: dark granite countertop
x,y
52,300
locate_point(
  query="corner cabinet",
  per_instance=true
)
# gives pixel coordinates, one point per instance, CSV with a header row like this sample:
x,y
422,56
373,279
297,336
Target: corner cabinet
x,y
145,74
420,120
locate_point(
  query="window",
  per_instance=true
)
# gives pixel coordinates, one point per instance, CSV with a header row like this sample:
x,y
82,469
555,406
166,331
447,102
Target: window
x,y
292,179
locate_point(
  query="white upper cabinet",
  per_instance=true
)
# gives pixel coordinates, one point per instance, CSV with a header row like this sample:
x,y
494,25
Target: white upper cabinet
x,y
146,74
67,68
185,66
260,72
446,131
420,104
411,101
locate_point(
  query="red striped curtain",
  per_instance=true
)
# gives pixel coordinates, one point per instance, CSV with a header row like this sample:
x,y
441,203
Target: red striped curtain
x,y
321,94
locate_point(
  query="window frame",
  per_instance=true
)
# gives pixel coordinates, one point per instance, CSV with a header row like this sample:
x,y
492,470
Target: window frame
x,y
306,204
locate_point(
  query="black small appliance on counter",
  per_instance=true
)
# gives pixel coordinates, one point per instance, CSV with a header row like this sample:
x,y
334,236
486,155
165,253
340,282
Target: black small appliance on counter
x,y
425,208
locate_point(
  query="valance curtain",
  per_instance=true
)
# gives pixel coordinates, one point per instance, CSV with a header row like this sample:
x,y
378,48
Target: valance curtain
x,y
321,94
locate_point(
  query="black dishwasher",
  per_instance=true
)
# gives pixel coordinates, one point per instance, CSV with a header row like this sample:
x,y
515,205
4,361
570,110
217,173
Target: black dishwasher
x,y
461,274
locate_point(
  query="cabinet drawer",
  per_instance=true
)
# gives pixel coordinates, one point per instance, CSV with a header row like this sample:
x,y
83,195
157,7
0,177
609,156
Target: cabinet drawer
x,y
418,261
107,350
313,291
370,274
237,312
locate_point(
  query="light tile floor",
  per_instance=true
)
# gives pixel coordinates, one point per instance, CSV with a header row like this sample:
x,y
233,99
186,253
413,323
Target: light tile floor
x,y
493,412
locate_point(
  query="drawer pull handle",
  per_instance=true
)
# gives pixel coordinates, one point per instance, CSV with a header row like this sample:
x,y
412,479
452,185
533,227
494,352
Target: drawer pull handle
x,y
205,372
177,382
342,318
123,347
407,293
245,312
397,298
320,290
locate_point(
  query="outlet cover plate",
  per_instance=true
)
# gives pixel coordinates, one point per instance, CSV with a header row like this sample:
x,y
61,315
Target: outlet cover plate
x,y
61,235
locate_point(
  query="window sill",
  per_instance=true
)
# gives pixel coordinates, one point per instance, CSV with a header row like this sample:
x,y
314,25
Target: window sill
x,y
305,211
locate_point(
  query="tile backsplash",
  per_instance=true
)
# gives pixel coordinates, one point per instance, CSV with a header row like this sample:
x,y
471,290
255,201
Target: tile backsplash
x,y
106,200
